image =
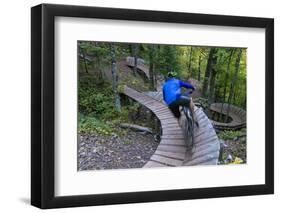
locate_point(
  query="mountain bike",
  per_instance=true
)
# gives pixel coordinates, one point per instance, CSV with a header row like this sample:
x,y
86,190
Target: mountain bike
x,y
188,124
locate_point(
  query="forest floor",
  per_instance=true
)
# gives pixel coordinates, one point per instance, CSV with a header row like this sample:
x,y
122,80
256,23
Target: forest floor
x,y
234,148
132,150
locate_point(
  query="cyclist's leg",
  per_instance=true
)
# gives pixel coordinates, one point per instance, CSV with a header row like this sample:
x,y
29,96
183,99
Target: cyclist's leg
x,y
184,101
174,107
191,106
187,101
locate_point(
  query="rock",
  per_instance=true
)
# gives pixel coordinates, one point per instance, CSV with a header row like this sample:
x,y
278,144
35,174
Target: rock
x,y
157,138
228,159
223,144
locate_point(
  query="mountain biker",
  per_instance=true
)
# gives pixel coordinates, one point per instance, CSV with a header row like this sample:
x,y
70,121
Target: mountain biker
x,y
173,97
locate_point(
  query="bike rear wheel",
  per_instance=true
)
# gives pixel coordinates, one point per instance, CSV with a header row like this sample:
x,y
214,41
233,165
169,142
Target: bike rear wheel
x,y
189,127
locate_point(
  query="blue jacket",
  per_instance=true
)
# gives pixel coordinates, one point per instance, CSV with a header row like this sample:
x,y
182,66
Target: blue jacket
x,y
172,89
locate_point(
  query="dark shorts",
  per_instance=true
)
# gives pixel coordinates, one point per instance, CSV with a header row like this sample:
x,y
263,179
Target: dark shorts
x,y
175,105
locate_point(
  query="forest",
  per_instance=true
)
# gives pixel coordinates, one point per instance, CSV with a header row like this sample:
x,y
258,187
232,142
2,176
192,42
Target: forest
x,y
105,69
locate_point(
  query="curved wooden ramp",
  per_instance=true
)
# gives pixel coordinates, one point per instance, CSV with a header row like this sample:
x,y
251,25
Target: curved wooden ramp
x,y
207,145
140,65
237,115
172,149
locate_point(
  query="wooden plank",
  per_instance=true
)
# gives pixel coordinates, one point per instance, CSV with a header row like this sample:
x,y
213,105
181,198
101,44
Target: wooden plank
x,y
172,132
205,160
206,132
162,108
208,145
179,156
170,137
197,109
142,97
156,113
148,102
171,129
201,120
151,164
168,113
176,125
137,95
201,131
210,162
159,104
202,141
206,152
168,116
166,160
162,111
173,137
168,148
170,121
200,116
180,142
203,125
163,117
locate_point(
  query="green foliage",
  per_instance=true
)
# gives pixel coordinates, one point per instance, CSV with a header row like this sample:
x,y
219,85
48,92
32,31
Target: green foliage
x,y
168,59
96,98
203,102
127,142
135,82
230,135
96,106
93,125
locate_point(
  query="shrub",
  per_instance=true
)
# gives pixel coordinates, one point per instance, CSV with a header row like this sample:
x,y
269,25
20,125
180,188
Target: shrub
x,y
230,135
93,125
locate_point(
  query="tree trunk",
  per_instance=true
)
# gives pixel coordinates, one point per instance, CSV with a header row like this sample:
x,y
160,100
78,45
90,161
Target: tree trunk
x,y
115,77
136,127
151,67
234,79
131,49
190,61
157,49
199,68
212,86
136,47
213,75
232,51
84,59
208,71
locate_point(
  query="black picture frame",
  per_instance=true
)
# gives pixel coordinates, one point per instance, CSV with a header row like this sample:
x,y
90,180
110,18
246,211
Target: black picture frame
x,y
43,117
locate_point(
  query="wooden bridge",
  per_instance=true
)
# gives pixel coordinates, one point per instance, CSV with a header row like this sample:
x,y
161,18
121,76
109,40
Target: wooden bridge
x,y
237,115
140,65
172,149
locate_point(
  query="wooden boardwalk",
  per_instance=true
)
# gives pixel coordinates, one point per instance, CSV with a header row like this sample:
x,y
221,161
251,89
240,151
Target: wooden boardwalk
x,y
237,115
172,149
140,65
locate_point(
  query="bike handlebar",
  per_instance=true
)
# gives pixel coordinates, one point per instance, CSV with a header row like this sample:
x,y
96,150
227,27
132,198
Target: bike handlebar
x,y
189,92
